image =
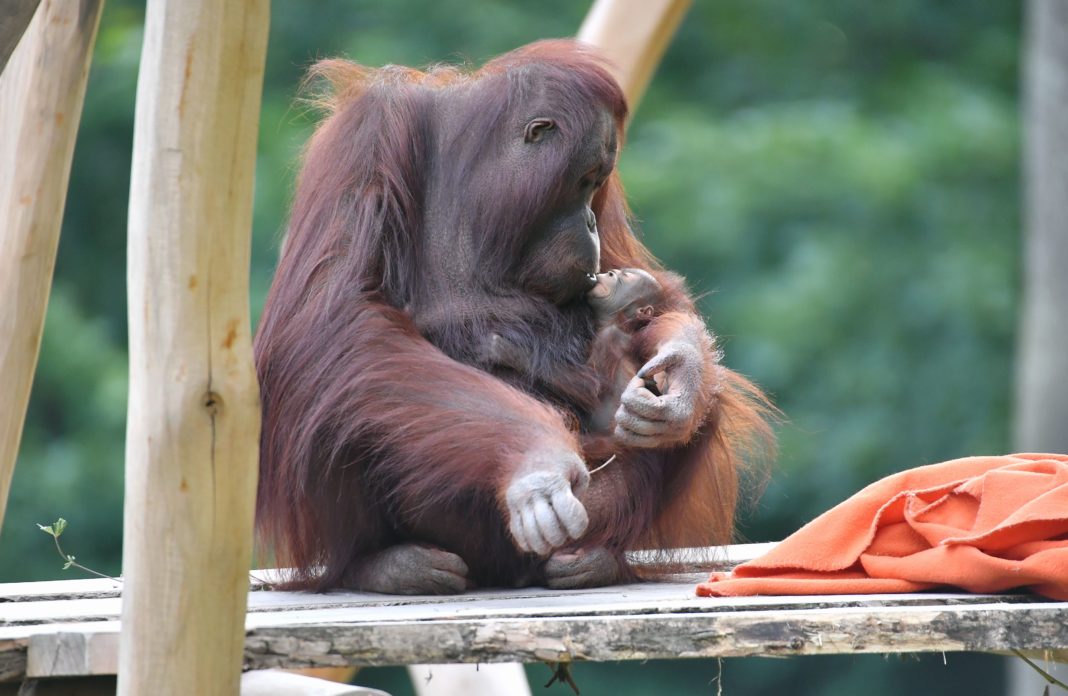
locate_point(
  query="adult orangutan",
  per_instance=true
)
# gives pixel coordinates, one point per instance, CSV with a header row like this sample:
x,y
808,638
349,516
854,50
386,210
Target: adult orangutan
x,y
435,209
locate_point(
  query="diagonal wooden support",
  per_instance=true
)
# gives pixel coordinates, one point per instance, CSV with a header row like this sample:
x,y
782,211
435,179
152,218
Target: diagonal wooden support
x,y
41,95
193,421
633,34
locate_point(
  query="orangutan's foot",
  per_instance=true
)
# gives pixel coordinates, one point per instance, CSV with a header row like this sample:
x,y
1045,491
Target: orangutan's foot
x,y
596,567
411,569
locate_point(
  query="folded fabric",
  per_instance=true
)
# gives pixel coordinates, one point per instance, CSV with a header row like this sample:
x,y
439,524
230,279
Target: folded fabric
x,y
981,524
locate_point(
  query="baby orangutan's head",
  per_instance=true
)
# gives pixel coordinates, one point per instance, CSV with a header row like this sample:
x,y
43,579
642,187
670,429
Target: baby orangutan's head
x,y
624,294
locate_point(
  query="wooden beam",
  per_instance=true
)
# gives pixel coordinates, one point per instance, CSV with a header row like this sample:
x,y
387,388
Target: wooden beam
x,y
15,16
193,423
627,622
667,636
41,94
71,632
71,654
633,34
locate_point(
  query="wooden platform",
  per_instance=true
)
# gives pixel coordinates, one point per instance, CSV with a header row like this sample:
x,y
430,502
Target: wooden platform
x,y
70,628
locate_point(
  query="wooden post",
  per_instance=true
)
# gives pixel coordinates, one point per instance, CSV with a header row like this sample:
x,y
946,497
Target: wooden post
x,y
41,94
633,34
1041,408
15,16
1042,356
193,425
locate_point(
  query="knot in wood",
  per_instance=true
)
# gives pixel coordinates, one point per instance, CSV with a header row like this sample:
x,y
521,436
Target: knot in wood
x,y
212,402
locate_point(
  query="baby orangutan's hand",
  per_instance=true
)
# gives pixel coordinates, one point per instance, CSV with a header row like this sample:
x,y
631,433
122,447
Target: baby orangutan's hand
x,y
649,420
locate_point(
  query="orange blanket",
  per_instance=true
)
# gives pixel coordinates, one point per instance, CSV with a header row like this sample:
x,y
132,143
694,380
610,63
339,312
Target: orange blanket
x,y
983,524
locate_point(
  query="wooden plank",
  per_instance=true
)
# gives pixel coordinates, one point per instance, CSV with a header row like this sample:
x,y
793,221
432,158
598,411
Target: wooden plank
x,y
697,560
287,607
193,418
701,628
58,589
281,608
278,608
72,654
637,621
703,559
41,95
890,629
633,34
13,658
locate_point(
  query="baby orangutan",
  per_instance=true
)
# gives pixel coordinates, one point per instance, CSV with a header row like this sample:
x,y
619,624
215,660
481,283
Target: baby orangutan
x,y
623,301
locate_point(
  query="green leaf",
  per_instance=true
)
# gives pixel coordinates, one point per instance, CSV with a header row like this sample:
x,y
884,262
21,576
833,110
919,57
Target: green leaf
x,y
46,530
60,525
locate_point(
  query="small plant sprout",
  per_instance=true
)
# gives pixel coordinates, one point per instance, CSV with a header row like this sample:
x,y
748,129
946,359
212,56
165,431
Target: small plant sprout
x,y
54,530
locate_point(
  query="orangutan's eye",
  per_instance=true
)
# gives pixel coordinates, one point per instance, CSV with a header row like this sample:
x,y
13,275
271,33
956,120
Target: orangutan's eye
x,y
537,128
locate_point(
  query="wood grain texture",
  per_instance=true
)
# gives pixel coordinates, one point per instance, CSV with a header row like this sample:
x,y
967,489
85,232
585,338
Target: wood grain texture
x,y
41,95
193,419
626,622
72,654
825,631
13,658
633,34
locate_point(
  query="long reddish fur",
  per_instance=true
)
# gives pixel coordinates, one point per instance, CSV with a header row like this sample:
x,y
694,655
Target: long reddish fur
x,y
371,432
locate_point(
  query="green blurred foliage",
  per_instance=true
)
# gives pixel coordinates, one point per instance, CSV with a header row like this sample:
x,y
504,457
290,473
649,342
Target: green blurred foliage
x,y
837,179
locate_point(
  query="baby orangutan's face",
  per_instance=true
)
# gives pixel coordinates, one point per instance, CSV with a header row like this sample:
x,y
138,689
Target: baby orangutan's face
x,y
623,290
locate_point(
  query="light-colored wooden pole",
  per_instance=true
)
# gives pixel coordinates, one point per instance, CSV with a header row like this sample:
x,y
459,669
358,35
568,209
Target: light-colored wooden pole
x,y
193,424
41,94
1041,408
1042,356
633,34
15,16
